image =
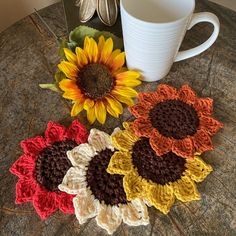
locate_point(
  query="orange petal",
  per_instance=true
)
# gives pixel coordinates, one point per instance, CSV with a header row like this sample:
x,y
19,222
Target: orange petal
x,y
82,59
150,97
160,144
183,147
69,69
210,124
186,94
142,127
140,110
204,105
113,56
167,91
118,62
202,141
67,84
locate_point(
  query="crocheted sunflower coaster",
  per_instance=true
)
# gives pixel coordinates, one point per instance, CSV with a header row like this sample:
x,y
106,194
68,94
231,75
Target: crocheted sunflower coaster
x,y
43,165
100,194
176,121
158,179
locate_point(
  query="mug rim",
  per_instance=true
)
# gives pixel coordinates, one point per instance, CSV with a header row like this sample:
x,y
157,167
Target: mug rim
x,y
159,23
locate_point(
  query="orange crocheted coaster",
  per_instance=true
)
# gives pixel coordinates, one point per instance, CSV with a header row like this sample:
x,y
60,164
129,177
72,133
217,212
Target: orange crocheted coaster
x,y
176,121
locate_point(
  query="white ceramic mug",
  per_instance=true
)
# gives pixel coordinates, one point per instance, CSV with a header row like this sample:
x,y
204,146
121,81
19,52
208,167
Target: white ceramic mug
x,y
153,31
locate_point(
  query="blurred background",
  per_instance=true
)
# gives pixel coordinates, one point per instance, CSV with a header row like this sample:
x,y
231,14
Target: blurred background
x,y
14,10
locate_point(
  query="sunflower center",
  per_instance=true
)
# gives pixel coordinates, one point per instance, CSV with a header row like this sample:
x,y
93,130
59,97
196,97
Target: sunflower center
x,y
95,81
52,164
104,186
174,118
160,170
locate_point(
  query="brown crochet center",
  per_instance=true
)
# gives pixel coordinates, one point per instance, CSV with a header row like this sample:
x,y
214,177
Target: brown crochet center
x,y
95,81
104,186
160,170
174,118
52,164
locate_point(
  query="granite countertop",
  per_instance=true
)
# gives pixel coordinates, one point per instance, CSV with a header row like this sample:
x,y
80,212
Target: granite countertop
x,y
28,56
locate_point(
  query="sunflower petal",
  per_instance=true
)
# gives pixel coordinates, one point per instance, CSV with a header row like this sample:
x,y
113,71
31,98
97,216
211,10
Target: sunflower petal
x,y
111,111
185,189
210,124
113,56
76,109
204,105
186,94
69,69
67,84
91,115
128,78
202,141
70,56
101,43
74,95
197,169
82,59
161,196
100,112
143,127
125,91
115,105
126,100
88,103
91,49
107,50
118,61
183,147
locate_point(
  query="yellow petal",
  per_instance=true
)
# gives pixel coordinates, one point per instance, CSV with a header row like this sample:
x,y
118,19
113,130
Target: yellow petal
x,y
131,75
107,50
82,59
135,186
73,95
113,55
70,56
124,140
161,197
76,109
67,84
121,70
100,112
91,115
69,69
197,169
129,83
185,189
91,49
88,103
125,91
116,106
111,111
101,43
118,61
126,100
120,163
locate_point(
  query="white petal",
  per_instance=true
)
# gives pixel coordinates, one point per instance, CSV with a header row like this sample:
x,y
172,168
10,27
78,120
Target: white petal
x,y
115,131
100,140
85,205
81,155
109,217
135,213
73,181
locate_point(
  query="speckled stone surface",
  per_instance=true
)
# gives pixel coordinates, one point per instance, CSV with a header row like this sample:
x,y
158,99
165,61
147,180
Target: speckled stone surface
x,y
28,56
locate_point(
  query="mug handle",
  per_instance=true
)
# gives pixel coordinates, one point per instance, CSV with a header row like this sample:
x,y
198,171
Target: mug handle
x,y
197,18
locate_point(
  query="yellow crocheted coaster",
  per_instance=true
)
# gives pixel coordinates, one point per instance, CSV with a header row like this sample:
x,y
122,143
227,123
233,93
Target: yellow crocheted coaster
x,y
159,179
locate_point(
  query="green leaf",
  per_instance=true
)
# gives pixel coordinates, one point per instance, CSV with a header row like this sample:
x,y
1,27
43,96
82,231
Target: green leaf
x,y
77,36
52,87
59,76
62,45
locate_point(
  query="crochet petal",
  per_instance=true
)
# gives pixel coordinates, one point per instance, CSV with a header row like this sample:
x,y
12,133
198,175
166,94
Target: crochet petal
x,y
85,205
25,189
134,185
81,155
210,124
140,110
120,163
183,147
204,105
33,145
109,217
162,197
135,213
54,132
143,127
185,189
77,132
23,167
202,141
73,181
100,140
197,169
65,203
45,203
160,144
186,94
149,98
167,91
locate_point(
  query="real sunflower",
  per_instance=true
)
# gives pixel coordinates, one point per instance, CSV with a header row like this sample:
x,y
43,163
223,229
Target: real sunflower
x,y
158,179
96,80
176,121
